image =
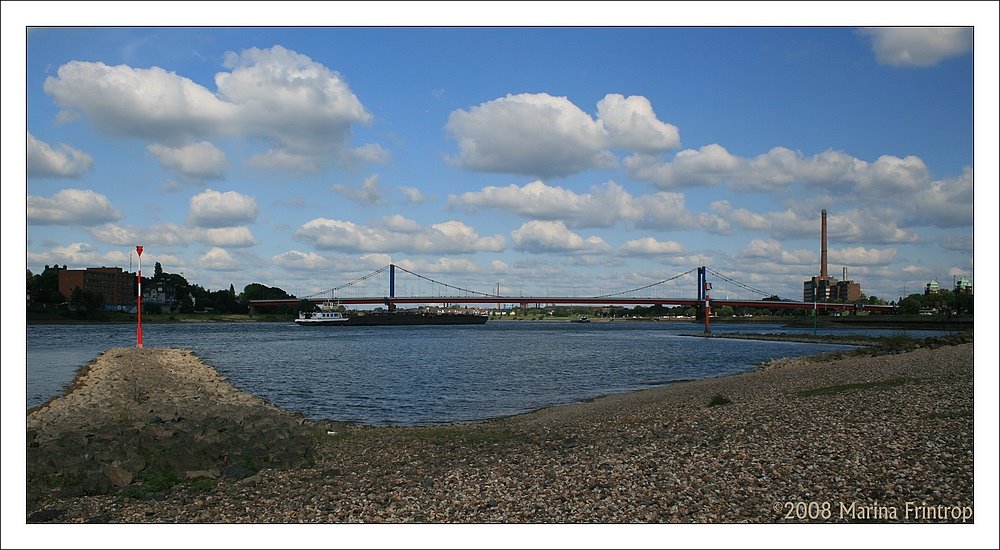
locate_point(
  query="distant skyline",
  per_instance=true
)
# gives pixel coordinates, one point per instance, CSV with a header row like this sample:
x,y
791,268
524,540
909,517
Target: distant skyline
x,y
552,160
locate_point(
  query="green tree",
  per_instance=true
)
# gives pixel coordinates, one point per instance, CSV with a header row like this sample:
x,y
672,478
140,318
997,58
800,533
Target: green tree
x,y
257,291
224,301
44,287
86,304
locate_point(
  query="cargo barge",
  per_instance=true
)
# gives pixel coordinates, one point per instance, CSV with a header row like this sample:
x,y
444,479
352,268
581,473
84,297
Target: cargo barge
x,y
331,315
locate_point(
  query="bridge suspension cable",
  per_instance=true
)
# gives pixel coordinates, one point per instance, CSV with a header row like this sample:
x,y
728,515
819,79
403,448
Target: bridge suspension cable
x,y
350,283
688,272
742,285
453,287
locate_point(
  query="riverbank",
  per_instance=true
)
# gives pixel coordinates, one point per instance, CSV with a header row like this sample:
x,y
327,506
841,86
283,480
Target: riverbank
x,y
872,345
157,436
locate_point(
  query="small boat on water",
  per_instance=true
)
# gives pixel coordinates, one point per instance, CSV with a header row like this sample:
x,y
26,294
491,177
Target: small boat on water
x,y
581,319
328,314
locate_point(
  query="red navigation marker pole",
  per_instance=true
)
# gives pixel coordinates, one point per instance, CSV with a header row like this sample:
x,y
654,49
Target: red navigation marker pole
x,y
138,301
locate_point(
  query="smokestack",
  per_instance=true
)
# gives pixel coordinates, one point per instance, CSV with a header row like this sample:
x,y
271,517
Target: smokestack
x,y
845,273
822,255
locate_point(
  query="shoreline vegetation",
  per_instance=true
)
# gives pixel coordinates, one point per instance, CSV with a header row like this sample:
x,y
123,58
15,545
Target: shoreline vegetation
x,y
877,434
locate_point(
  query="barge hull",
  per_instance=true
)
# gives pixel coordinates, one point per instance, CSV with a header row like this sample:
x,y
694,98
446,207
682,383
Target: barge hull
x,y
386,319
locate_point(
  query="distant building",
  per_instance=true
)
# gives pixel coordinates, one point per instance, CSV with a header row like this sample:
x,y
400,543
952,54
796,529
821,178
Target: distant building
x,y
116,286
825,288
963,285
932,287
829,289
159,292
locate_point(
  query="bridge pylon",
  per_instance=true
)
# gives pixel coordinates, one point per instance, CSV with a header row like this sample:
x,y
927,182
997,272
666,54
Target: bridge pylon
x,y
702,293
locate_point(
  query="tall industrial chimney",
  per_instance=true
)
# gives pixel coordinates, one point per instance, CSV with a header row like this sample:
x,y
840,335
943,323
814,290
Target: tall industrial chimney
x,y
822,255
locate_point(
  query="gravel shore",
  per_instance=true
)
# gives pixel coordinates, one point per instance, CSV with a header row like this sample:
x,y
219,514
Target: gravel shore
x,y
858,439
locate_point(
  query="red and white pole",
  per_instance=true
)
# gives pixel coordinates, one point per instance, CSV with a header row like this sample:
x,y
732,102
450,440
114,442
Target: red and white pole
x,y
138,301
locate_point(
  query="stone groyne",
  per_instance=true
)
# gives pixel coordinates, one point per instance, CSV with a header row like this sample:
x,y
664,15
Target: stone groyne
x,y
145,419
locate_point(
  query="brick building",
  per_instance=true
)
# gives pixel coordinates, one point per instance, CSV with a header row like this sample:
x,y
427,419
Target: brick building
x,y
116,286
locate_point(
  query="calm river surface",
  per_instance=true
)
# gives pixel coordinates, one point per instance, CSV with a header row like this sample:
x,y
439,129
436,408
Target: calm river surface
x,y
425,374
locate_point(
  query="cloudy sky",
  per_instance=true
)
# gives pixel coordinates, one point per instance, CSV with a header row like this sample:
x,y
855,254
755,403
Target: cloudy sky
x,y
554,161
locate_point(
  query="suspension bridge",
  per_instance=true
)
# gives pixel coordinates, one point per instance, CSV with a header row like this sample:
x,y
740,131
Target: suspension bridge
x,y
674,291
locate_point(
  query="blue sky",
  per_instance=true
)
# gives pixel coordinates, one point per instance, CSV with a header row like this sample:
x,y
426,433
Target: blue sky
x,y
579,160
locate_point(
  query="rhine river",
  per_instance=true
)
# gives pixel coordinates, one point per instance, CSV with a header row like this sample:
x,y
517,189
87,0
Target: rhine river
x,y
426,374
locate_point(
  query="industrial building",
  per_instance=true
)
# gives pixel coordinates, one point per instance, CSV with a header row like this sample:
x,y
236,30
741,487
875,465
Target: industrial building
x,y
824,288
118,287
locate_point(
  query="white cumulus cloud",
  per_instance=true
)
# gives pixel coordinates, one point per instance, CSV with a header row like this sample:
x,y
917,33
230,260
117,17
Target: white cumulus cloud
x,y
772,250
45,161
540,237
706,166
918,46
212,208
303,110
397,235
544,135
859,255
152,103
871,225
888,177
198,161
602,206
75,256
71,207
227,237
648,246
294,259
632,125
944,203
218,259
531,134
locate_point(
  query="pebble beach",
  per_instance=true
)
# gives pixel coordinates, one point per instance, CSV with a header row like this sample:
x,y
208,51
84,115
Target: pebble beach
x,y
855,439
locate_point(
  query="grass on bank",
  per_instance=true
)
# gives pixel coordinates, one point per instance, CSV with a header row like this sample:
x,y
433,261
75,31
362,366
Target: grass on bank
x,y
718,400
831,390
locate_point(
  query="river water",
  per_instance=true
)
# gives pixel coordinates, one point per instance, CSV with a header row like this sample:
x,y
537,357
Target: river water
x,y
425,374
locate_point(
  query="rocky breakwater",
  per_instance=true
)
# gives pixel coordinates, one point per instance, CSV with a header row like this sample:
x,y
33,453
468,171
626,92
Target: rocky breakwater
x,y
137,421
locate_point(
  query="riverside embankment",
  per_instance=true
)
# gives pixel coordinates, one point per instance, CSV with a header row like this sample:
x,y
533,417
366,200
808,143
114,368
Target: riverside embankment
x,y
155,435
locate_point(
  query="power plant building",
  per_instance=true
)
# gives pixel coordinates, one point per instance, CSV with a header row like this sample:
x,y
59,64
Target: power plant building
x,y
825,288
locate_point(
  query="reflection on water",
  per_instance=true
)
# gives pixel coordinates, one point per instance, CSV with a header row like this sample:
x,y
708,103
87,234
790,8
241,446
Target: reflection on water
x,y
419,375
